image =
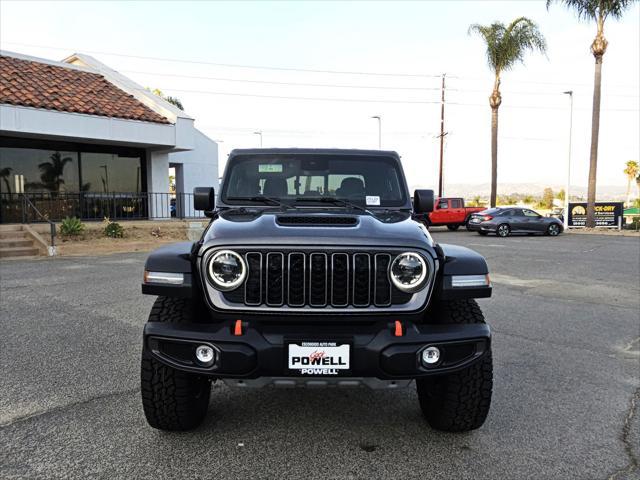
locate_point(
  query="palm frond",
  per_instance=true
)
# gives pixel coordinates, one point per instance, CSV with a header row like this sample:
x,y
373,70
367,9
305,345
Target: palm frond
x,y
508,45
592,9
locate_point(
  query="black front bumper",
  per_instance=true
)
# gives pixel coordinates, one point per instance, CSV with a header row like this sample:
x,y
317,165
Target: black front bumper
x,y
261,350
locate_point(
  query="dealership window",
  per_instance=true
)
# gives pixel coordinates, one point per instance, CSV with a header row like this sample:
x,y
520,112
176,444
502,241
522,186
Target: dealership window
x,y
56,167
109,172
42,170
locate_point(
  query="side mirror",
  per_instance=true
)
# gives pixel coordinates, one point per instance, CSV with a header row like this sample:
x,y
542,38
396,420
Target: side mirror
x,y
204,198
423,201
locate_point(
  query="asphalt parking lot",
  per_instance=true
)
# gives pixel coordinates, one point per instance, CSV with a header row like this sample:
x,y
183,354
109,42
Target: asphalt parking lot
x,y
565,319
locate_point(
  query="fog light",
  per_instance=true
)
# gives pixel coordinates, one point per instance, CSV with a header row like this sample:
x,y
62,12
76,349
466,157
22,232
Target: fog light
x,y
431,355
205,354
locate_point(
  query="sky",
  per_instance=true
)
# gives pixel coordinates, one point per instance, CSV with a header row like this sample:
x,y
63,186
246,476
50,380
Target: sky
x,y
344,62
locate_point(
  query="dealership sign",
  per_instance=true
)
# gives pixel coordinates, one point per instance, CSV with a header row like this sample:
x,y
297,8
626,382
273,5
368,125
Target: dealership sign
x,y
608,214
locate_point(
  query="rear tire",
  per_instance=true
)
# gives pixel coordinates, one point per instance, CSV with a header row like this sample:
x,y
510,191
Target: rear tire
x,y
453,228
172,399
466,224
458,402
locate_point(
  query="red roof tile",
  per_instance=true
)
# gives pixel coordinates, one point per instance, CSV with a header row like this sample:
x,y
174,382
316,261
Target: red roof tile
x,y
40,85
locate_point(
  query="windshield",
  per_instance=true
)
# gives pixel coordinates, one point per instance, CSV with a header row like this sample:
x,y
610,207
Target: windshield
x,y
302,178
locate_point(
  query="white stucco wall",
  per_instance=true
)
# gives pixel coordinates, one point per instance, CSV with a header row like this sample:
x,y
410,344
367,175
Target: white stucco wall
x,y
199,166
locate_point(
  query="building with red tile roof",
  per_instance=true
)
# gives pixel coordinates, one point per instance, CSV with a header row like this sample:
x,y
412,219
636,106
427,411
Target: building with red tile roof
x,y
79,130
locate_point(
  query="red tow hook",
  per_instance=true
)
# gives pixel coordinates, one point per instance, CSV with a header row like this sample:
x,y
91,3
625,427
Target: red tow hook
x,y
237,328
398,329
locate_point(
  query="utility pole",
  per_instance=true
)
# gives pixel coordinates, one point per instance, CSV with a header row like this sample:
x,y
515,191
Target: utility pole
x,y
442,135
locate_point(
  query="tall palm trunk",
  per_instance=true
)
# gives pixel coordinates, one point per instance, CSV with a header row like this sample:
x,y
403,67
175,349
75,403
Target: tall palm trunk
x,y
494,156
598,48
494,101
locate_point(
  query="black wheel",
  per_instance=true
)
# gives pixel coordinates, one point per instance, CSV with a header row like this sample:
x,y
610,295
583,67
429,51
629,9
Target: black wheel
x,y
466,224
172,399
458,402
453,228
553,230
503,230
480,232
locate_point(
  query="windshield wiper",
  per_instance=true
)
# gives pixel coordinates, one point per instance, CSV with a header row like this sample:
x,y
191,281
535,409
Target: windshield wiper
x,y
335,201
266,200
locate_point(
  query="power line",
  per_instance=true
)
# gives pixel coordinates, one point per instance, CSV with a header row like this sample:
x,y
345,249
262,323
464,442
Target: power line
x,y
334,85
288,97
232,65
537,82
270,82
295,69
514,92
370,100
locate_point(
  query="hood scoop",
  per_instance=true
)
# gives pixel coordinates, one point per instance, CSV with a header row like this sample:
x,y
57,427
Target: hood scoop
x,y
316,221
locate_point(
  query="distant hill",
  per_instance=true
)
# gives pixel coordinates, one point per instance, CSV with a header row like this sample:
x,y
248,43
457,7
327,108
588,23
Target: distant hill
x,y
605,192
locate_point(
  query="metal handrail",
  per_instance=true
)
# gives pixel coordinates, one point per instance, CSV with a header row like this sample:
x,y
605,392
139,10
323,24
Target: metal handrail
x,y
52,225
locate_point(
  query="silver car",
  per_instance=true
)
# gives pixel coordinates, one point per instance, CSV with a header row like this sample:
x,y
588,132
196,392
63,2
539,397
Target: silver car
x,y
504,221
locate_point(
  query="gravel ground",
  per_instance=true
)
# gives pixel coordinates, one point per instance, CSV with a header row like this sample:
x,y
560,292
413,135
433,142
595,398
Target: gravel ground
x,y
565,320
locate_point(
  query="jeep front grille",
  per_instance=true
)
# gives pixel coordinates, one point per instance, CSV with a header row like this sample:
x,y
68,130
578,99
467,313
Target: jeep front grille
x,y
294,279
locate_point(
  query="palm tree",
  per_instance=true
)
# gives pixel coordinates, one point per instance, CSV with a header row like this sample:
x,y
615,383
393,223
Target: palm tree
x,y
506,46
598,11
52,171
4,175
631,171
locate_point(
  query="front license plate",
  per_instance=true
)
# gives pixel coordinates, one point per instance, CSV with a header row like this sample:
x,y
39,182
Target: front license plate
x,y
319,358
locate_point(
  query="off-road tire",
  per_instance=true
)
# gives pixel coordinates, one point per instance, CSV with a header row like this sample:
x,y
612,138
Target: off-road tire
x,y
460,401
453,228
172,399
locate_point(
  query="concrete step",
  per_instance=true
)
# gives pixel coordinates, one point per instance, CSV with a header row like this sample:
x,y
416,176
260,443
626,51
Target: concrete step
x,y
15,242
14,235
18,252
10,228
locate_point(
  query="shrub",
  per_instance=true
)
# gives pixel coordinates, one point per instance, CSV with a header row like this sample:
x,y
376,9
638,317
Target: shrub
x,y
71,227
633,225
113,229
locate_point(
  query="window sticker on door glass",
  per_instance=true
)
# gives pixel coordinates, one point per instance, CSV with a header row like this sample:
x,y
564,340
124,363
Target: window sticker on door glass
x,y
270,168
373,200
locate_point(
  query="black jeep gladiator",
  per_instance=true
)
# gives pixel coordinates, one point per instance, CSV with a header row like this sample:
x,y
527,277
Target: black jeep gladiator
x,y
312,272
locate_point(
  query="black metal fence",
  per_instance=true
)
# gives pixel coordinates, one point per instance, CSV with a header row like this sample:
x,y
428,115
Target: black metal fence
x,y
96,206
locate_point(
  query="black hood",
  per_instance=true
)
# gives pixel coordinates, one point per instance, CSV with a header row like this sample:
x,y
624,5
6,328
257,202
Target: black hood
x,y
308,227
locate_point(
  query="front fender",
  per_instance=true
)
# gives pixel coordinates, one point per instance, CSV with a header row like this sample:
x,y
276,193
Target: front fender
x,y
177,258
461,263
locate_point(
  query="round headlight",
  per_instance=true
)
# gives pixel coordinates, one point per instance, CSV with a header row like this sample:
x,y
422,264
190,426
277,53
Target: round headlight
x,y
227,269
408,272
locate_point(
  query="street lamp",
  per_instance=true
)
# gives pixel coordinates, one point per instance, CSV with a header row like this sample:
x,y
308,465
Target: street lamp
x,y
379,118
259,133
566,190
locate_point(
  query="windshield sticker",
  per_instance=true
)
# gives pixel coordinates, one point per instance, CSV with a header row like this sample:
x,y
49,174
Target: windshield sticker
x,y
373,200
269,168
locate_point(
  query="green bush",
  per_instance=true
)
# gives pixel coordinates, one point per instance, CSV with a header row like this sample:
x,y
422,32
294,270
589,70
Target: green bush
x,y
633,225
113,229
71,227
